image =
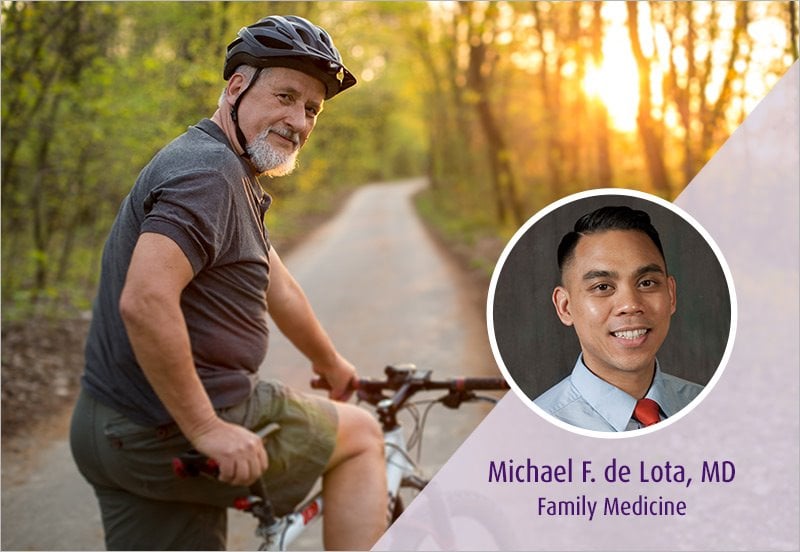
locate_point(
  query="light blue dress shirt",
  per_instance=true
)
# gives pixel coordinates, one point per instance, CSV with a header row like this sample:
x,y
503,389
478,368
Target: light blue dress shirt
x,y
584,400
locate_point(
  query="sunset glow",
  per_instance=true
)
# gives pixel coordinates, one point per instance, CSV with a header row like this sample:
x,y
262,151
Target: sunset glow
x,y
615,84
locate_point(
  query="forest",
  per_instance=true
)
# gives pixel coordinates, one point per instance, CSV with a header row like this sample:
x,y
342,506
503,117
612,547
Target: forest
x,y
504,106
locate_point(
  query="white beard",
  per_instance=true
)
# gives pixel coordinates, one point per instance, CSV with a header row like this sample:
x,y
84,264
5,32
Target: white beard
x,y
268,160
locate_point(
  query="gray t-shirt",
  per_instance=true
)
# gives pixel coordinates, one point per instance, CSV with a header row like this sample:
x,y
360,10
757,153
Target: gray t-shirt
x,y
198,192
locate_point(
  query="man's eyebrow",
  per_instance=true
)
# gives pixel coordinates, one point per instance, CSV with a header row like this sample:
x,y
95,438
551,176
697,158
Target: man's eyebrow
x,y
285,89
612,274
592,274
289,89
646,269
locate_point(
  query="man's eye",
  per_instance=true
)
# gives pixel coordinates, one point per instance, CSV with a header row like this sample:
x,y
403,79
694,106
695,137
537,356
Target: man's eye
x,y
602,287
647,283
312,112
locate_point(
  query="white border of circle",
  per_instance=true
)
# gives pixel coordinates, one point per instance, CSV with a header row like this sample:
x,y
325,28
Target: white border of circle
x,y
605,192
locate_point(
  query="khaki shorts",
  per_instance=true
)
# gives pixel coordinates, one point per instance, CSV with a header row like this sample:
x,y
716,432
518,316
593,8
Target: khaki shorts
x,y
144,505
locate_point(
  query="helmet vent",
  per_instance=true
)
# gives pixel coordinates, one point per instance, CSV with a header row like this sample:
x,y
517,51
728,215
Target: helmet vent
x,y
270,42
305,37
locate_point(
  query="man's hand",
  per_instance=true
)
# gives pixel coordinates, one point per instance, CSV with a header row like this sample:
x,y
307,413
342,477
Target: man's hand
x,y
240,453
339,374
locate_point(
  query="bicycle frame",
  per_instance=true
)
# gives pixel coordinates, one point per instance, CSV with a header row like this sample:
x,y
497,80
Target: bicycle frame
x,y
286,529
401,470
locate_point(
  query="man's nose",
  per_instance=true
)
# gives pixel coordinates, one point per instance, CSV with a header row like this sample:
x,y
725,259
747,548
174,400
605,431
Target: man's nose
x,y
629,301
296,118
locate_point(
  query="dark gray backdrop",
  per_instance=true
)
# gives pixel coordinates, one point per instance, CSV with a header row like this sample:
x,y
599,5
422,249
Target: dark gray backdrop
x,y
539,351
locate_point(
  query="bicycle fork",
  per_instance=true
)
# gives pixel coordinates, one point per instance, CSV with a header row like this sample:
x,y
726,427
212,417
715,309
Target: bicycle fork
x,y
400,469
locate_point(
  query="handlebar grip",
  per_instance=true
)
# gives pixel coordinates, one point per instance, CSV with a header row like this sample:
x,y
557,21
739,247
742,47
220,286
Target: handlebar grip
x,y
480,384
457,384
192,464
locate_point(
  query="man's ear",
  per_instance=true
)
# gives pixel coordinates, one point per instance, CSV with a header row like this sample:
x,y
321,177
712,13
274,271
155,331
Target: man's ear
x,y
673,294
234,87
561,303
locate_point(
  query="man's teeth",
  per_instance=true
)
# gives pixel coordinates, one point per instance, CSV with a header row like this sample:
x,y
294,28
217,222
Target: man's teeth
x,y
630,334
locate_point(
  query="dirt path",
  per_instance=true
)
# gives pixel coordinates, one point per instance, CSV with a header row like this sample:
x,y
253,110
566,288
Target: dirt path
x,y
385,292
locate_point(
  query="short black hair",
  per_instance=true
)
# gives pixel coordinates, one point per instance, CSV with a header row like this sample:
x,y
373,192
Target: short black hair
x,y
603,219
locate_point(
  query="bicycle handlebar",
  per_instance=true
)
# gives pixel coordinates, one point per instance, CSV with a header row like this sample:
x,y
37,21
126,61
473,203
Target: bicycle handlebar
x,y
397,377
405,381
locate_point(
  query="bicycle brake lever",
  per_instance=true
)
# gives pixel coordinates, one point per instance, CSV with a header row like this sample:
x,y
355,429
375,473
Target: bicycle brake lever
x,y
454,398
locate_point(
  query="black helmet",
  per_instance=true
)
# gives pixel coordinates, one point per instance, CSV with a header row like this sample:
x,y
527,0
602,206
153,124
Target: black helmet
x,y
293,42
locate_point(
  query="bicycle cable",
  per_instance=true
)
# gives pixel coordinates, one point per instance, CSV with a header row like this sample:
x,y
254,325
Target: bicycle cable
x,y
422,428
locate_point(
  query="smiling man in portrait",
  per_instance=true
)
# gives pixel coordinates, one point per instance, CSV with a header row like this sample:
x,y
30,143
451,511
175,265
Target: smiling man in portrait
x,y
617,294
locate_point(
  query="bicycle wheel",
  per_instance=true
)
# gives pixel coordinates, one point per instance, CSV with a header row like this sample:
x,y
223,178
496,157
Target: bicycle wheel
x,y
446,515
413,483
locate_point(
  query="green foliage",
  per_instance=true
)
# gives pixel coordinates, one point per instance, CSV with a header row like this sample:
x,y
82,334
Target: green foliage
x,y
92,90
487,98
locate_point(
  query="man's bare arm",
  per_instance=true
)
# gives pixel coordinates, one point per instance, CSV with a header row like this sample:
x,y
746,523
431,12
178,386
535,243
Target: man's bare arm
x,y
150,308
292,313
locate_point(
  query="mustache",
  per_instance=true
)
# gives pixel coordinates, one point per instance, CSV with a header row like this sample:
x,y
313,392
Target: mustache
x,y
291,135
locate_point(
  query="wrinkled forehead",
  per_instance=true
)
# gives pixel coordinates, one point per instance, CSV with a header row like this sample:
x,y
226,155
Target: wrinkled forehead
x,y
298,82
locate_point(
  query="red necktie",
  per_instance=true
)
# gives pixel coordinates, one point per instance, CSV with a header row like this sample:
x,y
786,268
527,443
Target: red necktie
x,y
646,412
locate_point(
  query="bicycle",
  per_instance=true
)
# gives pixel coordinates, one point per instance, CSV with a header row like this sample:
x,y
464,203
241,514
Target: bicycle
x,y
402,382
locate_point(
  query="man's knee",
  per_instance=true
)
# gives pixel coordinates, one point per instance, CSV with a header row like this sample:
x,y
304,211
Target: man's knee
x,y
358,433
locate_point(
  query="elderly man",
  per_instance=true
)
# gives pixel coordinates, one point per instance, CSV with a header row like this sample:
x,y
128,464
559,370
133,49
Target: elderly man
x,y
179,325
616,292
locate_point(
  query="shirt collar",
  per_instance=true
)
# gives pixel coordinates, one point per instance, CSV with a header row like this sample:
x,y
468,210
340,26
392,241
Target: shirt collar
x,y
665,394
215,131
614,405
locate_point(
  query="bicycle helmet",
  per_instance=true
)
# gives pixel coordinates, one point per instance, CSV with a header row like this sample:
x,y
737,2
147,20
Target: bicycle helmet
x,y
293,42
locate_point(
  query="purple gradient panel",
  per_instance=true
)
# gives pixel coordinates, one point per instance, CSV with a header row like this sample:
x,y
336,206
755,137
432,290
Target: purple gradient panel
x,y
747,198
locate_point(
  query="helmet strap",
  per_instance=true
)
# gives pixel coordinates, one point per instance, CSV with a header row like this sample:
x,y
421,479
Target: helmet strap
x,y
235,114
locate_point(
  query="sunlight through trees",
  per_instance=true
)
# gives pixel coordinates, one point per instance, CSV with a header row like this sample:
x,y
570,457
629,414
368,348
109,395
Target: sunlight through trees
x,y
506,106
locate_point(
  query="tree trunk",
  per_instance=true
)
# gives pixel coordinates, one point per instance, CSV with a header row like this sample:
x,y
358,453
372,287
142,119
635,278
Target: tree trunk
x,y
716,116
554,152
76,218
794,45
503,179
648,131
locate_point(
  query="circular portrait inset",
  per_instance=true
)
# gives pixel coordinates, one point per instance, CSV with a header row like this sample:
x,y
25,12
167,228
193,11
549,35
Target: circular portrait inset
x,y
611,311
